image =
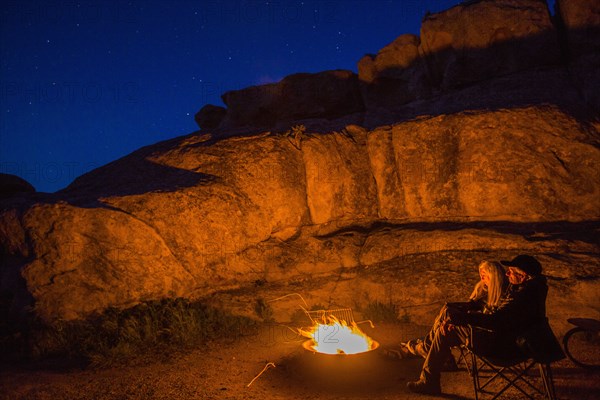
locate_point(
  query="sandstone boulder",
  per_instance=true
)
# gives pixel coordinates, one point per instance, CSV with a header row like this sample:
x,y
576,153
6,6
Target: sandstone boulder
x,y
11,185
517,165
551,86
328,94
477,40
395,76
339,184
581,20
585,75
210,116
418,283
190,216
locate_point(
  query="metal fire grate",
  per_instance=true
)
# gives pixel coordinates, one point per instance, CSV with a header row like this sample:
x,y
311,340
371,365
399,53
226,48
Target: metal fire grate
x,y
341,314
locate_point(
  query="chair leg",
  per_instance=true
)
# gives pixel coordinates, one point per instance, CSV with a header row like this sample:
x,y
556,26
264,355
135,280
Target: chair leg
x,y
552,394
475,375
523,372
514,377
518,375
546,375
464,358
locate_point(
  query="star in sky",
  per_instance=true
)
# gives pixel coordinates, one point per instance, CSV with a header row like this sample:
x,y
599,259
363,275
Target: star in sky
x,y
80,45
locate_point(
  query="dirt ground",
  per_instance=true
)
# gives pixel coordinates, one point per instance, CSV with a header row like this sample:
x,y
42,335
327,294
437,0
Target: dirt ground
x,y
223,370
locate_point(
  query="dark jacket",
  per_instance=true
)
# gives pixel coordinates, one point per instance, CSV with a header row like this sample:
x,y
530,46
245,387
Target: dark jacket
x,y
522,309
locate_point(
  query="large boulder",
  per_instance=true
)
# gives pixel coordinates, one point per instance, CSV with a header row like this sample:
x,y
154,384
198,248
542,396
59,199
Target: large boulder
x,y
553,86
191,216
395,76
210,116
339,184
581,23
477,40
11,185
517,165
328,94
581,20
79,260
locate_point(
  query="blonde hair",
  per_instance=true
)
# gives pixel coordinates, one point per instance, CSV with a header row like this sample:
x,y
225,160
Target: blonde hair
x,y
497,283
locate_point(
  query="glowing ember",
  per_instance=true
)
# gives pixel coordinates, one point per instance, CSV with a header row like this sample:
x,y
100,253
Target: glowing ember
x,y
337,337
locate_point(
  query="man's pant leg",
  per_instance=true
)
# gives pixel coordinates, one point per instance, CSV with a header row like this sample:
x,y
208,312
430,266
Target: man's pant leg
x,y
427,340
440,350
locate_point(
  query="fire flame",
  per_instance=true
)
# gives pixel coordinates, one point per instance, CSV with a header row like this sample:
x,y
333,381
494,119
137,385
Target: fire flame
x,y
335,336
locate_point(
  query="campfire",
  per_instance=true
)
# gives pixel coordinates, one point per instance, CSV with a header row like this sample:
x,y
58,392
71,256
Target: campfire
x,y
337,351
332,335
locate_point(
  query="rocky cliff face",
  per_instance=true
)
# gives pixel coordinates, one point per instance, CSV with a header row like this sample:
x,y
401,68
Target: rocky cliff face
x,y
11,185
473,41
503,161
467,46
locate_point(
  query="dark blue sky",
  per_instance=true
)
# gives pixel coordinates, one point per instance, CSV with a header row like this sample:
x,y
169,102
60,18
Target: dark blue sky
x,y
83,83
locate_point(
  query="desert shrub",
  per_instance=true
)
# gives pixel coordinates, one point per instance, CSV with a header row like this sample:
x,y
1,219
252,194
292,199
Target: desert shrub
x,y
380,312
263,310
296,134
118,334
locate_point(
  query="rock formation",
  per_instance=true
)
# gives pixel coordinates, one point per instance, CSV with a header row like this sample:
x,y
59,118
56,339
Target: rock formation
x,y
580,21
210,117
11,185
468,163
475,41
325,94
396,75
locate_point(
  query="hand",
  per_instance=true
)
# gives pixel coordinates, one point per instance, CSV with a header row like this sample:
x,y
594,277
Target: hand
x,y
457,317
446,327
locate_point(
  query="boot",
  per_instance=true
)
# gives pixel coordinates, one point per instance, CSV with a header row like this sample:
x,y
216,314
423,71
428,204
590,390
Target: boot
x,y
399,353
423,387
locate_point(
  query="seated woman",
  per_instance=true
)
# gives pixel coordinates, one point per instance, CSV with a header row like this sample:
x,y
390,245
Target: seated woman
x,y
495,330
484,299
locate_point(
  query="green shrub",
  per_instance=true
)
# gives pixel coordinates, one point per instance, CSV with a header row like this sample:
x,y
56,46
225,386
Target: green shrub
x,y
295,135
117,334
380,312
263,310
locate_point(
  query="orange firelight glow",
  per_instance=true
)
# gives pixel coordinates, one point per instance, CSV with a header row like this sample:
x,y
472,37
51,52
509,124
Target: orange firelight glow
x,y
337,337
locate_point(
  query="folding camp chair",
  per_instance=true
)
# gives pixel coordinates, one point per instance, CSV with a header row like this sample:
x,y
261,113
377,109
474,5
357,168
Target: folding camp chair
x,y
512,373
537,347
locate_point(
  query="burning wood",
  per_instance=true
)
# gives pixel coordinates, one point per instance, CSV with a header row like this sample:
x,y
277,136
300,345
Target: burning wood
x,y
334,336
333,331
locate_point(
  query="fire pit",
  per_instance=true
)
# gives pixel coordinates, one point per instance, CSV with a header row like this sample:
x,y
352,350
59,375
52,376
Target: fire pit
x,y
337,353
336,337
335,332
339,358
309,345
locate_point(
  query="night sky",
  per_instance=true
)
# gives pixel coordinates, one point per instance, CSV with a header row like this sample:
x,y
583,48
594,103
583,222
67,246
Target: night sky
x,y
83,83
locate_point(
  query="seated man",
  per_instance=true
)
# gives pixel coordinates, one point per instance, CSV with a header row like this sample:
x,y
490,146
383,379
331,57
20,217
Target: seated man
x,y
521,306
485,298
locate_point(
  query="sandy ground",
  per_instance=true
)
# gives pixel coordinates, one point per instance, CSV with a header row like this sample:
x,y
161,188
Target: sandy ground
x,y
224,368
